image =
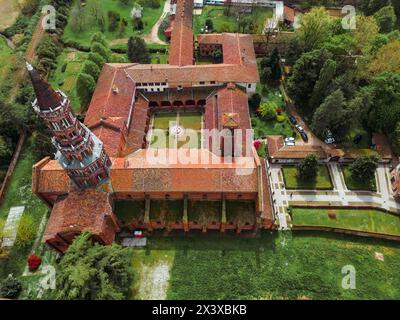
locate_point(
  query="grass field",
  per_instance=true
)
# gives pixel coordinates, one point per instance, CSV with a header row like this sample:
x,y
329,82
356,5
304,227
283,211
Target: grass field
x,y
7,59
186,120
10,10
19,193
289,266
356,185
323,181
149,17
224,23
66,81
357,219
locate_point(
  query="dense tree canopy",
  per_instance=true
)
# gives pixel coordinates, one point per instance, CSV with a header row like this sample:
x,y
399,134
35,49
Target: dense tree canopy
x,y
94,272
363,169
137,50
307,169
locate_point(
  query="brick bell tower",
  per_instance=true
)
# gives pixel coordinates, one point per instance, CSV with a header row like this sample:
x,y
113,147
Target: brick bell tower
x,y
79,151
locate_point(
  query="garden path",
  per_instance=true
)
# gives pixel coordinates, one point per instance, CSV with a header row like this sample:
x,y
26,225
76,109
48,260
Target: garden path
x,y
11,226
279,196
340,195
152,37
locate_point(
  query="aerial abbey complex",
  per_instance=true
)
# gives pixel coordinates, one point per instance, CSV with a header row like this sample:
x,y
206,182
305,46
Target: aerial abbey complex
x,y
103,161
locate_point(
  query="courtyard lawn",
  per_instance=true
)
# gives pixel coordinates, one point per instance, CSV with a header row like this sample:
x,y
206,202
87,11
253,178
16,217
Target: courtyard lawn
x,y
322,182
66,81
166,210
223,23
353,219
19,193
186,120
296,265
126,211
204,212
356,185
240,213
149,17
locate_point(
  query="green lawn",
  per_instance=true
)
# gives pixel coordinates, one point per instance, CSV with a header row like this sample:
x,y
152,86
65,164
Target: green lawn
x,y
159,58
323,181
186,120
204,212
220,20
19,193
126,211
275,266
352,219
365,142
66,81
166,210
7,59
356,185
149,17
263,128
240,212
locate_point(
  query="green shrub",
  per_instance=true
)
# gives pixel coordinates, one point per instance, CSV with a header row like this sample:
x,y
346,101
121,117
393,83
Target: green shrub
x,y
97,59
10,287
26,231
100,50
85,86
91,68
267,110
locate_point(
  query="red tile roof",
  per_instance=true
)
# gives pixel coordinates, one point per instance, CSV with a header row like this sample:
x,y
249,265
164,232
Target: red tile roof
x,y
181,49
110,106
81,211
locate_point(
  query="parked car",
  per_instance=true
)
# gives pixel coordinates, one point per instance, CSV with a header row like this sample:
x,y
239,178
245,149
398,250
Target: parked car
x,y
299,128
290,141
304,136
330,140
292,120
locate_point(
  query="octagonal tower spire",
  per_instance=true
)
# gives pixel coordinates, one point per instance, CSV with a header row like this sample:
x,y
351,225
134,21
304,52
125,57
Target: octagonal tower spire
x,y
79,151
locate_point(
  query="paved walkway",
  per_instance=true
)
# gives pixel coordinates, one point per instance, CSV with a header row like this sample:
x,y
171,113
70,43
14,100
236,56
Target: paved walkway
x,y
279,196
11,227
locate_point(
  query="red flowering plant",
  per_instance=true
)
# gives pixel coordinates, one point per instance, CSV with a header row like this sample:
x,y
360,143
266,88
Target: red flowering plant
x,y
279,110
34,262
257,144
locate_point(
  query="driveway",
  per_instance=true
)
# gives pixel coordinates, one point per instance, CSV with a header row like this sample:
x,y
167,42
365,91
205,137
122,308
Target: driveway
x,y
152,37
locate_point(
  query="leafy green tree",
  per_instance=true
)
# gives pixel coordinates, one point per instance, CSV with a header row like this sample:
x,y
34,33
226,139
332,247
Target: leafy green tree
x,y
100,38
363,169
372,6
89,67
85,86
137,51
395,138
325,77
5,150
314,28
307,169
305,74
97,59
386,19
254,101
382,102
331,115
100,50
267,110
94,272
